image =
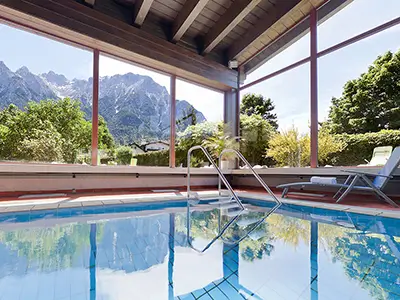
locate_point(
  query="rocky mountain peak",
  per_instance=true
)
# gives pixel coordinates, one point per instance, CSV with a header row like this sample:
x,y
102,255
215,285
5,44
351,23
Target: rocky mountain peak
x,y
135,107
4,70
54,78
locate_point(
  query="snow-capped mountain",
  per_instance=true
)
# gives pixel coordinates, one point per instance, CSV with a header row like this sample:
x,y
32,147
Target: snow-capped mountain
x,y
134,106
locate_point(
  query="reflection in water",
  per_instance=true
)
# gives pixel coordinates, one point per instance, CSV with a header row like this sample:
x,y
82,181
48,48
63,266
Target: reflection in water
x,y
295,254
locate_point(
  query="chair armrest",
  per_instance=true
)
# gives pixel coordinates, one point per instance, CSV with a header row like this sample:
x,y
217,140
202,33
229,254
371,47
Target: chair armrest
x,y
365,173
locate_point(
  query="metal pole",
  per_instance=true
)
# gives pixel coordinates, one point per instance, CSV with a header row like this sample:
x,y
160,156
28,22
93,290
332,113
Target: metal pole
x,y
172,122
95,107
314,88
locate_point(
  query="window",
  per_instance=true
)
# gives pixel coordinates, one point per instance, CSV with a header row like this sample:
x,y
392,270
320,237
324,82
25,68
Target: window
x,y
355,18
45,99
134,104
359,97
295,52
290,95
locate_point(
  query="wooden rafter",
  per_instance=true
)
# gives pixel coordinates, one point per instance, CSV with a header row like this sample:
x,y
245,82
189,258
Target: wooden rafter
x,y
260,27
141,10
186,16
235,13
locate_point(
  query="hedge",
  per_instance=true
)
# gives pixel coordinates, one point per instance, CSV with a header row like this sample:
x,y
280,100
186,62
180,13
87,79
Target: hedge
x,y
359,147
161,158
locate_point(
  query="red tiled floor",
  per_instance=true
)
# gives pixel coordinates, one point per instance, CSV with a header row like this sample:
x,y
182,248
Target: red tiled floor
x,y
352,199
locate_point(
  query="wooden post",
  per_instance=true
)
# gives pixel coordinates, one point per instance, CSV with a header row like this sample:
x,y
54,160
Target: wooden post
x,y
314,88
172,122
95,107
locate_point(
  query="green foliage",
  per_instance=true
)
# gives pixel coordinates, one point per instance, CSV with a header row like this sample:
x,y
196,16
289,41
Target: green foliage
x,y
48,130
154,158
124,155
196,134
255,133
371,102
220,141
253,104
49,248
359,147
290,148
42,144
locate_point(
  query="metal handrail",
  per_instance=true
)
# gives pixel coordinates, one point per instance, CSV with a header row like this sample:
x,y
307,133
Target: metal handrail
x,y
254,227
262,182
225,181
221,175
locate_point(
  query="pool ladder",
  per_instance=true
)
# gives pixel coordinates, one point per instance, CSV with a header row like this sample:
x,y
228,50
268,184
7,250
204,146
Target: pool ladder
x,y
231,203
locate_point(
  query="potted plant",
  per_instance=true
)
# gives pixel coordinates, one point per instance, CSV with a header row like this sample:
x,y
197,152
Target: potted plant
x,y
219,142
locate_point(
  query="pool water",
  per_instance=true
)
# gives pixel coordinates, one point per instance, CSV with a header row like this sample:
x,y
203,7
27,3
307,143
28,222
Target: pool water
x,y
142,252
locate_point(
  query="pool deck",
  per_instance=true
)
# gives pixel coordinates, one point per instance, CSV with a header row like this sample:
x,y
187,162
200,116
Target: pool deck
x,y
365,204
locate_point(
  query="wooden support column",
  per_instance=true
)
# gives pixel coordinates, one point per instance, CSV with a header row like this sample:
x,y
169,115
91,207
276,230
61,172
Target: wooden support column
x,y
231,111
314,88
172,122
95,107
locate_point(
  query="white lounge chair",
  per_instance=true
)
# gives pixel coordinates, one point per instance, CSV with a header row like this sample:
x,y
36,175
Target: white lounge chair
x,y
379,156
356,178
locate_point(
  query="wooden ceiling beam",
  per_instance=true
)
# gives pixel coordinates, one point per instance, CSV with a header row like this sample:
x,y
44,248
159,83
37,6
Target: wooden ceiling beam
x,y
141,9
186,16
235,13
262,25
75,23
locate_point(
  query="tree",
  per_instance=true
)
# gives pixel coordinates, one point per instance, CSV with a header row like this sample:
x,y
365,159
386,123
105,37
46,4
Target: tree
x,y
255,133
290,148
49,130
371,102
253,104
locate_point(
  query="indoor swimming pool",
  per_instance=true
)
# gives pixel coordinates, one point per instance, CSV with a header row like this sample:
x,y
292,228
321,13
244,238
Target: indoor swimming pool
x,y
141,251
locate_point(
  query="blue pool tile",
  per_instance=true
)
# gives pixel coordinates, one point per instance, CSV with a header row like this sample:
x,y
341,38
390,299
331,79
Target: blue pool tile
x,y
229,291
234,281
210,286
199,293
217,294
206,297
187,297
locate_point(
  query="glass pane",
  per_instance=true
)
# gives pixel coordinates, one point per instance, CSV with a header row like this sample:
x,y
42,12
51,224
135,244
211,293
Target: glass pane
x,y
362,95
45,99
290,96
199,117
295,52
355,18
135,104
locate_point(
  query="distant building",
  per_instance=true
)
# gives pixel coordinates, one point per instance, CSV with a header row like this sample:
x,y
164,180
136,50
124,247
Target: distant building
x,y
148,147
155,146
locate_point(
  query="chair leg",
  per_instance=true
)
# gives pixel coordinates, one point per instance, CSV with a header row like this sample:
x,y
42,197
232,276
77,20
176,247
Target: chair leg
x,y
379,192
349,188
285,192
385,197
340,190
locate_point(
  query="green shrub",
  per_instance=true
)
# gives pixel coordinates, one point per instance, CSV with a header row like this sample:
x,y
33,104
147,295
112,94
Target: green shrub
x,y
290,148
124,155
255,134
361,146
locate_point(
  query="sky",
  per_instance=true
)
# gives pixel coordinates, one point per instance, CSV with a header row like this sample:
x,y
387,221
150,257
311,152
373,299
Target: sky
x,y
290,91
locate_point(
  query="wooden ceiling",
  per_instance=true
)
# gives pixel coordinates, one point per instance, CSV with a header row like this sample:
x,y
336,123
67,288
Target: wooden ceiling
x,y
221,30
196,36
